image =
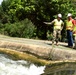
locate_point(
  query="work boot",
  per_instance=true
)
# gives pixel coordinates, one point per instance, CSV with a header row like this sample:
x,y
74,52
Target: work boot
x,y
56,44
70,46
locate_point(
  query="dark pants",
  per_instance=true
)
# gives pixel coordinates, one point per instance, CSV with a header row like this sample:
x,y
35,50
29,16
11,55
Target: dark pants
x,y
70,38
75,42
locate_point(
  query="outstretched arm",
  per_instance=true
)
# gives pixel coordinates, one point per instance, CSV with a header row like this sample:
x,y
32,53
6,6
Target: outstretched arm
x,y
49,22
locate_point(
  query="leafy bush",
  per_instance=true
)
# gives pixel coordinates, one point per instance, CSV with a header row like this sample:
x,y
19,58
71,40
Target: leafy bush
x,y
49,35
24,29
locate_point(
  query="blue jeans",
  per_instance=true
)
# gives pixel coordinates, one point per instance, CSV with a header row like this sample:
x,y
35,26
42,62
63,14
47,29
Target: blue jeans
x,y
70,38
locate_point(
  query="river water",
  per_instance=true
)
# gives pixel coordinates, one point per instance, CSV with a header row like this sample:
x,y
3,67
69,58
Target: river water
x,y
19,67
9,66
60,69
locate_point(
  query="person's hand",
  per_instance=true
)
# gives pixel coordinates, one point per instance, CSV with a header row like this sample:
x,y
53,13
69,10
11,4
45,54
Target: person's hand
x,y
45,22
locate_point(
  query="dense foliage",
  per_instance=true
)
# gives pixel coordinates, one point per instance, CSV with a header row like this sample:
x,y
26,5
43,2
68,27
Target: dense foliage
x,y
24,28
13,13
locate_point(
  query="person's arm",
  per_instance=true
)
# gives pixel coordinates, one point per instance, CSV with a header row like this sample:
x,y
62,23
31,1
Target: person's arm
x,y
73,21
50,22
62,25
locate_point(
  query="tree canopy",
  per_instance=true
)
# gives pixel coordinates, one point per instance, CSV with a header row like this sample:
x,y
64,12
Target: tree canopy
x,y
37,11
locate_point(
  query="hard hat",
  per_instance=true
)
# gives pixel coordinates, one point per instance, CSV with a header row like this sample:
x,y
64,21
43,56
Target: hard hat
x,y
69,14
59,15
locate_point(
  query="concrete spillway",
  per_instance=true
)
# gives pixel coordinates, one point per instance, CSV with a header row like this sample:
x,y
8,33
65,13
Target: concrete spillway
x,y
40,48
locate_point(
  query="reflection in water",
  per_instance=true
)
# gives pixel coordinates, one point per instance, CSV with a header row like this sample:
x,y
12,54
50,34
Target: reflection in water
x,y
20,67
61,69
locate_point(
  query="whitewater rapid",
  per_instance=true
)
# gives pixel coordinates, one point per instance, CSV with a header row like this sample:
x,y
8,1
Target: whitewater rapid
x,y
19,67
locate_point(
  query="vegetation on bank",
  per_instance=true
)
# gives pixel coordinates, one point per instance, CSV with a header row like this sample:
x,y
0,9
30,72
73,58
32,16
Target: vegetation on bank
x,y
24,28
24,18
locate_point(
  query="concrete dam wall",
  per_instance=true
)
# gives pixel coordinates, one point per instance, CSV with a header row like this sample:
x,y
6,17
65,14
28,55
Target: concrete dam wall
x,y
40,48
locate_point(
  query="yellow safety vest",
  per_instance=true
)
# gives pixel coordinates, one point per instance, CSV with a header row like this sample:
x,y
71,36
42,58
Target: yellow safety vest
x,y
69,25
74,29
57,24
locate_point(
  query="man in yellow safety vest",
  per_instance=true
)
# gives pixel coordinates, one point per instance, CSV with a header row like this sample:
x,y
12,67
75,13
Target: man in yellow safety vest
x,y
58,26
69,28
74,31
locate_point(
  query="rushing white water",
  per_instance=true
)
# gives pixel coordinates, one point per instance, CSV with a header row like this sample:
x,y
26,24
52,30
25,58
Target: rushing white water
x,y
20,67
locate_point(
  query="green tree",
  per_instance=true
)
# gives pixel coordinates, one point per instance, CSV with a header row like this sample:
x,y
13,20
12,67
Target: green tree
x,y
37,11
23,28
